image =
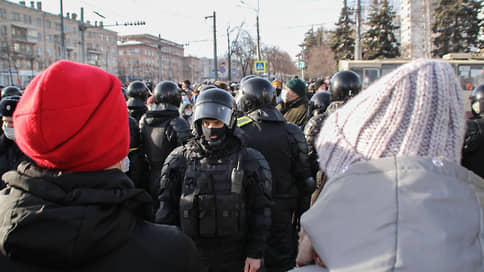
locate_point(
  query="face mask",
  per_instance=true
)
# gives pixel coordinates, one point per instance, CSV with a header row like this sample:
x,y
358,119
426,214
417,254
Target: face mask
x,y
9,132
278,91
219,132
284,95
188,113
125,164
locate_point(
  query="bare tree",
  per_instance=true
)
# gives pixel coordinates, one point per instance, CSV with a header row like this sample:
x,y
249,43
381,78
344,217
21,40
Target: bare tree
x,y
321,62
244,49
279,62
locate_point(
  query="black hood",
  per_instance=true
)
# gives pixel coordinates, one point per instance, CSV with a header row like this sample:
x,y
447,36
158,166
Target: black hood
x,y
58,219
156,118
267,114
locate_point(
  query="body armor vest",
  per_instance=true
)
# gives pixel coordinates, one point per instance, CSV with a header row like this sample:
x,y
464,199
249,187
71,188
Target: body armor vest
x,y
209,205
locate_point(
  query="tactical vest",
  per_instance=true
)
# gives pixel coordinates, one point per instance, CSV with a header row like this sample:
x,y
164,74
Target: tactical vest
x,y
210,206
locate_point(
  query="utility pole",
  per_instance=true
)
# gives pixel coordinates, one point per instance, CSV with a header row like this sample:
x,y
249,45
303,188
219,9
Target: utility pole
x,y
358,29
159,57
82,28
215,73
229,55
258,36
63,43
215,46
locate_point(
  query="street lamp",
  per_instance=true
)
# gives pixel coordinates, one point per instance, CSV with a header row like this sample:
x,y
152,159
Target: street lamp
x,y
257,22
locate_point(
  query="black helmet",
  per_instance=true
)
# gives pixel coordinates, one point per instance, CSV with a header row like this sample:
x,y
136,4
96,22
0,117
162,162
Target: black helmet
x,y
247,77
10,91
343,85
319,102
167,92
8,105
208,87
477,100
214,104
138,89
255,93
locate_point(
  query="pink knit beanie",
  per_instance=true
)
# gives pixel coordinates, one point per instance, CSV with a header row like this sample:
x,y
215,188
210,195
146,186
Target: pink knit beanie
x,y
418,109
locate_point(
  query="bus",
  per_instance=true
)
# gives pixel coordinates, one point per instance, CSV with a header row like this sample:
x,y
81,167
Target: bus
x,y
469,67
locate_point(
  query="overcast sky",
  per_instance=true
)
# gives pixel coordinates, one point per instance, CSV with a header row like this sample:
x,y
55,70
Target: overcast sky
x,y
282,22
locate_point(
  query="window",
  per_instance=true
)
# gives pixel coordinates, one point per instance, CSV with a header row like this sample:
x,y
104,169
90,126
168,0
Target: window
x,y
3,30
57,26
39,51
49,38
16,47
74,29
3,13
15,16
49,52
27,19
47,24
120,52
38,22
39,36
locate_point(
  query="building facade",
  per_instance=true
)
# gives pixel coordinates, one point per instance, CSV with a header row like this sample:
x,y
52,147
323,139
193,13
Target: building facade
x,y
140,57
192,69
415,25
30,40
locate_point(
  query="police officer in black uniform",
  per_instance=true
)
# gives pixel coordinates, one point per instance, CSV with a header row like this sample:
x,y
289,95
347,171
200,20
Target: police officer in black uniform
x,y
10,155
217,190
473,150
317,107
342,87
137,94
162,129
283,145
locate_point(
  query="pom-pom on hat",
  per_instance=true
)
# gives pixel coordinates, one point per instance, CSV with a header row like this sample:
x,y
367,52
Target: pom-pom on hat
x,y
73,117
418,109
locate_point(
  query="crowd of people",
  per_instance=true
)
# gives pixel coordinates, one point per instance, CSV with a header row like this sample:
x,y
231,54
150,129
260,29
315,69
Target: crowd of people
x,y
254,176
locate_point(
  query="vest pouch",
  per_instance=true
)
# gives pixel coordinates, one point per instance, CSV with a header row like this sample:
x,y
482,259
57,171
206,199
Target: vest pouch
x,y
189,215
207,216
227,214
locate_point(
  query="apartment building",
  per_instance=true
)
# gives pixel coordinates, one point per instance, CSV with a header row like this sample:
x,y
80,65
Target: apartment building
x,y
140,57
30,40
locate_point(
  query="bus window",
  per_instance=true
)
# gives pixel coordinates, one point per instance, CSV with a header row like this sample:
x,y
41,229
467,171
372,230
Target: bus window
x,y
477,75
370,75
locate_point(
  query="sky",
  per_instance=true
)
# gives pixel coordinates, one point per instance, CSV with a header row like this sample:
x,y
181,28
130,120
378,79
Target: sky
x,y
282,22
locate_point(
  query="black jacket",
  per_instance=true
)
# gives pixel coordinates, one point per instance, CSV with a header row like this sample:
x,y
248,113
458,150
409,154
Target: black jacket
x,y
473,149
86,221
161,132
137,164
283,145
10,156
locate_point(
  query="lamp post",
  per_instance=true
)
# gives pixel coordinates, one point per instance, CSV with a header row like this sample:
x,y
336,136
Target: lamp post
x,y
257,24
215,72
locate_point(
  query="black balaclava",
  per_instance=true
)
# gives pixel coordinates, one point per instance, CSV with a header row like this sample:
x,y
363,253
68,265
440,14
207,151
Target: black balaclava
x,y
219,132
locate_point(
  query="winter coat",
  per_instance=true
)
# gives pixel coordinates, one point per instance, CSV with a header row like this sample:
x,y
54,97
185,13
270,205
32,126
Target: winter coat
x,y
295,111
399,214
473,149
86,221
10,156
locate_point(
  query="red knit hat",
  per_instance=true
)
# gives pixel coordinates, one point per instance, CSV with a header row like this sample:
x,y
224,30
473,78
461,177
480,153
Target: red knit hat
x,y
73,117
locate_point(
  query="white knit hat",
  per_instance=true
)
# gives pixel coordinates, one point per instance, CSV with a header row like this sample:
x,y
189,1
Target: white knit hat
x,y
418,109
